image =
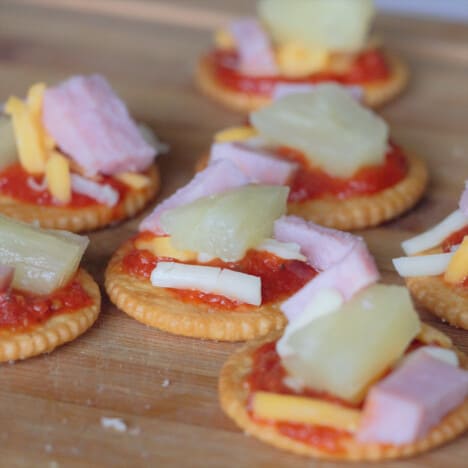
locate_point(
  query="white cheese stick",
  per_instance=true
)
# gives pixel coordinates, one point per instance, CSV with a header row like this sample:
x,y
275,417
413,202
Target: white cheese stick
x,y
436,235
231,284
286,250
424,265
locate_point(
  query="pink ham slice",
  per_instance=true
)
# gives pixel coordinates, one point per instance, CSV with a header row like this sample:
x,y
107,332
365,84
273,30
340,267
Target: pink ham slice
x,y
93,127
6,277
464,200
259,166
218,177
404,406
285,89
102,193
254,48
343,259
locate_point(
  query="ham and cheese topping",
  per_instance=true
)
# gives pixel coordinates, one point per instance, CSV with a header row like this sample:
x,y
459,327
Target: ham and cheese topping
x,y
453,263
319,143
73,136
298,42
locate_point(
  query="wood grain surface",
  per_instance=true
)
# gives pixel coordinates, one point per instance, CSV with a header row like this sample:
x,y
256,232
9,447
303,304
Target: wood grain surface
x,y
164,387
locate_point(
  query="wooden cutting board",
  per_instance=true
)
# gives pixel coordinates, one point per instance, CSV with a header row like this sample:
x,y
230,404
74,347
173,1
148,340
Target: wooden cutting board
x,y
165,387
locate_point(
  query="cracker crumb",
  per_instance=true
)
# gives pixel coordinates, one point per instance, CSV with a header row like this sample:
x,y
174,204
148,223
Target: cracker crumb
x,y
117,424
134,431
166,383
48,448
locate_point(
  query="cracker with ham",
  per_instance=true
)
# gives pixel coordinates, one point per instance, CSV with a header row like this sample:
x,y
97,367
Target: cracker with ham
x,y
82,161
234,398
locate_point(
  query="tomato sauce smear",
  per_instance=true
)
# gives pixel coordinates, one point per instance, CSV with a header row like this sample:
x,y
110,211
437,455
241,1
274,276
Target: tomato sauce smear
x,y
369,66
311,183
21,311
280,278
16,183
267,375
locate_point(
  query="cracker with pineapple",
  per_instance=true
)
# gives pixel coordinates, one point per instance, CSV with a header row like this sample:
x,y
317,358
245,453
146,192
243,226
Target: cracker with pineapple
x,y
300,43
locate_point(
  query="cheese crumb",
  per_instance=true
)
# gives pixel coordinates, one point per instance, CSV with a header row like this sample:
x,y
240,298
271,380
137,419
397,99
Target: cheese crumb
x,y
117,424
166,383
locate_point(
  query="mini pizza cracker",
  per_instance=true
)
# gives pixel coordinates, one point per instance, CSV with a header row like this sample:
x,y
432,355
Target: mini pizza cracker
x,y
56,330
73,158
159,308
375,94
84,218
234,397
360,212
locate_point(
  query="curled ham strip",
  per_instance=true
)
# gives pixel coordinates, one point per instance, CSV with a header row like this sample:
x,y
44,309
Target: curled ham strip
x,y
104,194
464,200
254,48
259,166
218,177
6,277
406,404
92,125
343,259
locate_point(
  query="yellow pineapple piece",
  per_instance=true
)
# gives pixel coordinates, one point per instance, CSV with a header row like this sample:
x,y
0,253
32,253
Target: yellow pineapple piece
x,y
296,60
134,180
457,271
223,40
162,247
58,178
28,135
235,134
305,410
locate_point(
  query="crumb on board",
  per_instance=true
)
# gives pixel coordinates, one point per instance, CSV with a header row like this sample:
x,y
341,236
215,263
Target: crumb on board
x,y
117,424
166,383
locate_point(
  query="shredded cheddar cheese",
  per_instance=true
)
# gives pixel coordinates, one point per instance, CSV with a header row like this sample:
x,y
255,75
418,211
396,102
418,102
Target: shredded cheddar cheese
x,y
57,173
457,269
235,134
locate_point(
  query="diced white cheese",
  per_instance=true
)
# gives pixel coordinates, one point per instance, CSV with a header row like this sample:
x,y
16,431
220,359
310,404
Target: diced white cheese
x,y
231,284
446,355
286,250
424,265
325,302
436,235
104,194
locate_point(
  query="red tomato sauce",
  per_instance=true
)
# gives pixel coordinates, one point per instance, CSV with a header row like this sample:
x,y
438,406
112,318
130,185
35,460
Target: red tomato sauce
x,y
20,310
454,239
369,66
310,183
14,184
280,278
268,375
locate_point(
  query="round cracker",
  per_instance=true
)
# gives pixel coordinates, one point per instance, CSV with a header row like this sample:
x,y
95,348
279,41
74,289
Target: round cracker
x,y
85,218
448,302
160,308
234,393
57,330
364,211
375,93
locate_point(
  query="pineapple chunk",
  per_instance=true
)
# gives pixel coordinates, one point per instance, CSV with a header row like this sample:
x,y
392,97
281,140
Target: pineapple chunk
x,y
29,136
334,131
457,270
8,153
342,353
235,134
229,224
338,25
58,177
295,60
162,247
133,180
43,260
305,410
